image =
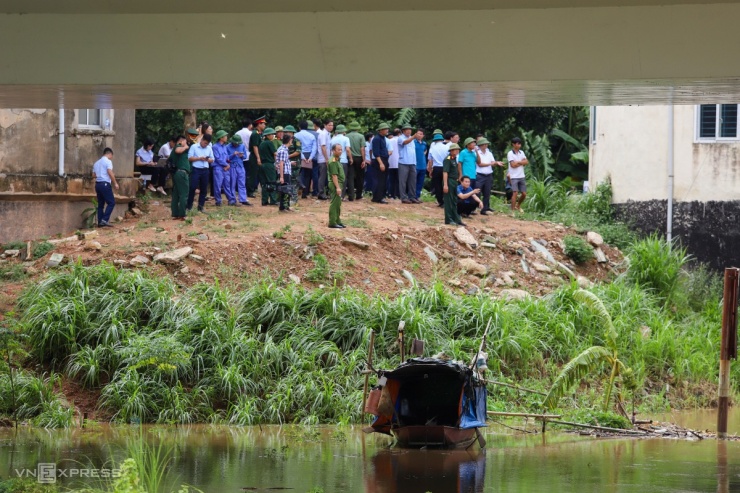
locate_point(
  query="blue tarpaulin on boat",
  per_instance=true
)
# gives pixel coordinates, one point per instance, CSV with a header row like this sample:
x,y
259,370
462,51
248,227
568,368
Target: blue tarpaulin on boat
x,y
473,408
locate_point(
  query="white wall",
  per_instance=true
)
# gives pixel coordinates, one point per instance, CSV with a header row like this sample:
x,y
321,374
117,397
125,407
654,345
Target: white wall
x,y
632,148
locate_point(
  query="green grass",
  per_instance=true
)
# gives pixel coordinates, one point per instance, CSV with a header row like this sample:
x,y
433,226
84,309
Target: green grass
x,y
280,233
578,249
268,353
12,272
42,249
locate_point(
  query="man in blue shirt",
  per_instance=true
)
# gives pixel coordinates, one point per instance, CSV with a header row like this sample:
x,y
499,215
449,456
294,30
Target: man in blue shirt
x,y
468,160
407,166
467,198
200,156
421,161
104,177
221,170
380,163
237,151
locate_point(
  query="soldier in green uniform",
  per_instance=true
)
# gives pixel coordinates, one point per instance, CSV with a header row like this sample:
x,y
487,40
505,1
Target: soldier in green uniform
x,y
278,140
181,178
450,178
255,139
294,153
268,174
336,185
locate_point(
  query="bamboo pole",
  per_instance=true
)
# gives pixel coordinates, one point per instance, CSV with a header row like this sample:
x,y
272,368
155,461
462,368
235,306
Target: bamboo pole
x,y
728,347
482,344
367,372
504,384
525,415
401,341
594,427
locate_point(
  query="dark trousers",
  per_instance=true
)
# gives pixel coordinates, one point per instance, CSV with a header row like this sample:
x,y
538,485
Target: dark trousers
x,y
421,175
212,181
159,174
268,176
315,178
360,180
252,176
106,201
349,183
485,183
199,181
450,202
306,179
464,208
437,184
370,177
392,184
321,179
381,180
355,177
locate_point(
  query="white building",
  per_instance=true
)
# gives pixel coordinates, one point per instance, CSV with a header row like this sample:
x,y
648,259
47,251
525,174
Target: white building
x,y
640,147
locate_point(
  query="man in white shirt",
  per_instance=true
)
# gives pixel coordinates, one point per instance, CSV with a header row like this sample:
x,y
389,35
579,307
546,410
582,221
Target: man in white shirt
x,y
517,161
166,149
392,143
484,173
323,153
407,166
438,151
245,133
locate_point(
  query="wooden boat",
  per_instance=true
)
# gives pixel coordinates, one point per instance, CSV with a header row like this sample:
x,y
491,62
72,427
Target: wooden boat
x,y
428,402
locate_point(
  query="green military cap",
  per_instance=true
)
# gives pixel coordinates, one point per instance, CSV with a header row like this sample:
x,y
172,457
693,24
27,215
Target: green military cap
x,y
220,133
236,139
355,127
192,131
340,129
437,138
469,140
438,132
482,141
290,128
454,147
407,127
279,129
383,126
268,131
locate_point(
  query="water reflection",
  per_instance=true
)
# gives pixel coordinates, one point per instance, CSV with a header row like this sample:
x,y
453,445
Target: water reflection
x,y
420,471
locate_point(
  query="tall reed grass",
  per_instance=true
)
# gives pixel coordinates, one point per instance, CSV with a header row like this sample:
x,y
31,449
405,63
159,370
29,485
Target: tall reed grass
x,y
272,354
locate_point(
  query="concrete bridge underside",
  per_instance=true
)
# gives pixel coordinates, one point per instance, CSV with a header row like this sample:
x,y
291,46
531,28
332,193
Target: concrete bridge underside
x,y
422,53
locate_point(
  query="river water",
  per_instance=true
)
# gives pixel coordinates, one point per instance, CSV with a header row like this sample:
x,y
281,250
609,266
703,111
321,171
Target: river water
x,y
220,459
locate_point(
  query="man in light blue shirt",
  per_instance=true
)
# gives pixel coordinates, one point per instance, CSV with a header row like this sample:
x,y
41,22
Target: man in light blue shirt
x,y
307,140
104,177
407,166
200,156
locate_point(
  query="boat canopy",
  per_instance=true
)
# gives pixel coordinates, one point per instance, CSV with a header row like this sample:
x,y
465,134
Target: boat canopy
x,y
429,392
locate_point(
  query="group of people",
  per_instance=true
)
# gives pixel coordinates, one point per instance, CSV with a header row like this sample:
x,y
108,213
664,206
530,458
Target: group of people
x,y
333,163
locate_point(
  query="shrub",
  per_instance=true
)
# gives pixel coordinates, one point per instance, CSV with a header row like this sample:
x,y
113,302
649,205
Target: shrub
x,y
546,196
42,249
578,249
320,270
656,264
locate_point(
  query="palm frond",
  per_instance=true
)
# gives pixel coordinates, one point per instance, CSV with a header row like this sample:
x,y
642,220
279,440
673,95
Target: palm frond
x,y
599,310
578,368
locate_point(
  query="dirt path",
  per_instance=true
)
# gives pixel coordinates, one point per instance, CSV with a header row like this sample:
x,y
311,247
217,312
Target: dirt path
x,y
237,247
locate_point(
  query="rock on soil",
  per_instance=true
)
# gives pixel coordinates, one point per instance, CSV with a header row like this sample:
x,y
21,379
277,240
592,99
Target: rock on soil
x,y
359,244
93,245
139,260
565,270
600,255
594,238
466,238
432,256
173,256
541,250
88,235
583,282
55,260
294,278
513,294
472,267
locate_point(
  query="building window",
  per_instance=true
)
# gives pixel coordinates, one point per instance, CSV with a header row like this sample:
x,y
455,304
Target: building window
x,y
89,118
717,122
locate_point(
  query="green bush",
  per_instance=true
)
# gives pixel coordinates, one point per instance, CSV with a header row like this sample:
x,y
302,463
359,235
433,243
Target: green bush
x,y
656,264
578,249
546,196
42,249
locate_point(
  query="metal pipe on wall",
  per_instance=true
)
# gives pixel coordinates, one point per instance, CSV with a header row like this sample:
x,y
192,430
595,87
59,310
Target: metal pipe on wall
x,y
61,141
669,218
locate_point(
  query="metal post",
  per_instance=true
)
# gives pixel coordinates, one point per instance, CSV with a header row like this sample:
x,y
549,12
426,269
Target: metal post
x,y
669,214
728,346
401,341
367,375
